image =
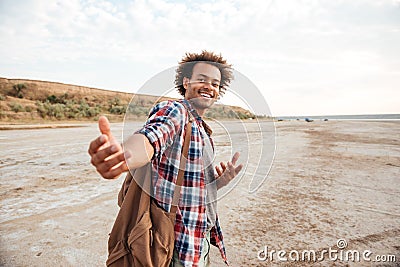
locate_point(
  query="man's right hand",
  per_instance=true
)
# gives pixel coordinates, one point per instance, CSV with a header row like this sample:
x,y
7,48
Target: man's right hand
x,y
106,153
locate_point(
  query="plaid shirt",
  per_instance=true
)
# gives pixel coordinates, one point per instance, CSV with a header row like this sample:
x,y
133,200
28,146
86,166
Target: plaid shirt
x,y
165,131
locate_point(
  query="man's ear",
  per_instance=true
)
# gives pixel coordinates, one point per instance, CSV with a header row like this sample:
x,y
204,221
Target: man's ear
x,y
185,82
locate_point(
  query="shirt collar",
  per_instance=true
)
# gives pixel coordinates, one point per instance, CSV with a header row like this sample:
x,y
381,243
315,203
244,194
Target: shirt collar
x,y
191,109
196,115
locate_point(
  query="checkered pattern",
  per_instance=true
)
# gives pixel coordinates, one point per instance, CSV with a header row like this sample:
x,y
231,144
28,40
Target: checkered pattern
x,y
165,131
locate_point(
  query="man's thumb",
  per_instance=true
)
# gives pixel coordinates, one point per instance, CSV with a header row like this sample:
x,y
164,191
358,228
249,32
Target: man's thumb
x,y
104,126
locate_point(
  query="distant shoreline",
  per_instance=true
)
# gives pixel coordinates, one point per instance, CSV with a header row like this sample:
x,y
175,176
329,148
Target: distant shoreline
x,y
378,117
79,124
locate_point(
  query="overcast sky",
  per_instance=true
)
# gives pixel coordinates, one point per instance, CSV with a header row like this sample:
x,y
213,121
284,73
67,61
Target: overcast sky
x,y
310,57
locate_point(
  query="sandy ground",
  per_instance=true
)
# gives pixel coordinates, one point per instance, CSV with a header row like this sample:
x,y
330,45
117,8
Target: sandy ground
x,y
329,180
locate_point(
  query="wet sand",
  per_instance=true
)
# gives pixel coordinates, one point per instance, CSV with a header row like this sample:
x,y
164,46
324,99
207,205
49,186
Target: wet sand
x,y
329,180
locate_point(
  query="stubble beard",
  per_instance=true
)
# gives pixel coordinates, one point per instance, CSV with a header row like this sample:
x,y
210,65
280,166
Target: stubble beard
x,y
201,103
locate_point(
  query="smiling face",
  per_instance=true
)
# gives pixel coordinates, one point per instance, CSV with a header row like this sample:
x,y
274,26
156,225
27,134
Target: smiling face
x,y
202,89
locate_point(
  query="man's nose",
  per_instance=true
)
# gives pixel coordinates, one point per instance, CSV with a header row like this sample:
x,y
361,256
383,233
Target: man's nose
x,y
207,85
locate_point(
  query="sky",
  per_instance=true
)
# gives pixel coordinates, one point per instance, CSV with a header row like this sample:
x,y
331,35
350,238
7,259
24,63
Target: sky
x,y
306,57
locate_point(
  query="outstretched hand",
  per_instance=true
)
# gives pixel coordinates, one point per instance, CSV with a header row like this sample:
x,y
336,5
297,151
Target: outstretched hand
x,y
106,153
227,172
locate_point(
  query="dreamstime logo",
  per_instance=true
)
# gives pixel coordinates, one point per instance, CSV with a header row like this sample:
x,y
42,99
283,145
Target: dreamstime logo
x,y
331,254
233,131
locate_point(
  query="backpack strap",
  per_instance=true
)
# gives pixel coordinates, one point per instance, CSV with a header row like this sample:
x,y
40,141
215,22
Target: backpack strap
x,y
182,166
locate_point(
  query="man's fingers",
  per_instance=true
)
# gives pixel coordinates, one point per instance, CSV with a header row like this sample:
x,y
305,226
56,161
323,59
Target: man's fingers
x,y
111,163
223,165
233,171
97,143
229,171
235,158
116,171
231,168
238,168
219,171
105,153
104,126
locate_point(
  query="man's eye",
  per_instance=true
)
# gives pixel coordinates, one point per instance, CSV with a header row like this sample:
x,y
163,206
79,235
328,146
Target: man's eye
x,y
215,85
201,80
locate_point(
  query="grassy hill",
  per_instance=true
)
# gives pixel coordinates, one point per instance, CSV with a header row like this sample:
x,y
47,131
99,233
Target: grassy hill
x,y
30,101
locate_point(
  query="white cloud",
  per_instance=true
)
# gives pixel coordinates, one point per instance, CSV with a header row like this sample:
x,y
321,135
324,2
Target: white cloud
x,y
288,47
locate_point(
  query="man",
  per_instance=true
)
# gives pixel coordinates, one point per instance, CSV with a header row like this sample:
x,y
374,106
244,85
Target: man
x,y
200,79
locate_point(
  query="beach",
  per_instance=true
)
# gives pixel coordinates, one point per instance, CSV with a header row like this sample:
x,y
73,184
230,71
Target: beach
x,y
331,183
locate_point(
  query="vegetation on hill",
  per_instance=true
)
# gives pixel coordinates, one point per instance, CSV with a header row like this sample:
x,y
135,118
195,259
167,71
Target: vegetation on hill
x,y
37,101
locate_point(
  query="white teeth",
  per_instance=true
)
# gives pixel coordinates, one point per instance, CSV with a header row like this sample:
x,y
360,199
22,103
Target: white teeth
x,y
205,95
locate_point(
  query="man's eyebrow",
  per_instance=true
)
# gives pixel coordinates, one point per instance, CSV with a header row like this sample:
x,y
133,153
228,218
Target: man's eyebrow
x,y
203,75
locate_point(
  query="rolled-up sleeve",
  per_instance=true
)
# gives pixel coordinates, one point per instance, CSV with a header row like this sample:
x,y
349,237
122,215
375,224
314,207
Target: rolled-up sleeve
x,y
165,121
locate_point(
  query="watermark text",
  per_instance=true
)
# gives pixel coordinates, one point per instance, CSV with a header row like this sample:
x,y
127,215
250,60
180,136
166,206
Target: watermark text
x,y
340,253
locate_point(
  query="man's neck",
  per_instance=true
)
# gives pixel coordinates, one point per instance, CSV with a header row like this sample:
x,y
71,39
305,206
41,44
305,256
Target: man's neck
x,y
200,111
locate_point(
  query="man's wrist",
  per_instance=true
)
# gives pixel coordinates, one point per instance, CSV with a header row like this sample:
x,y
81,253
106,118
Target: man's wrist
x,y
220,183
